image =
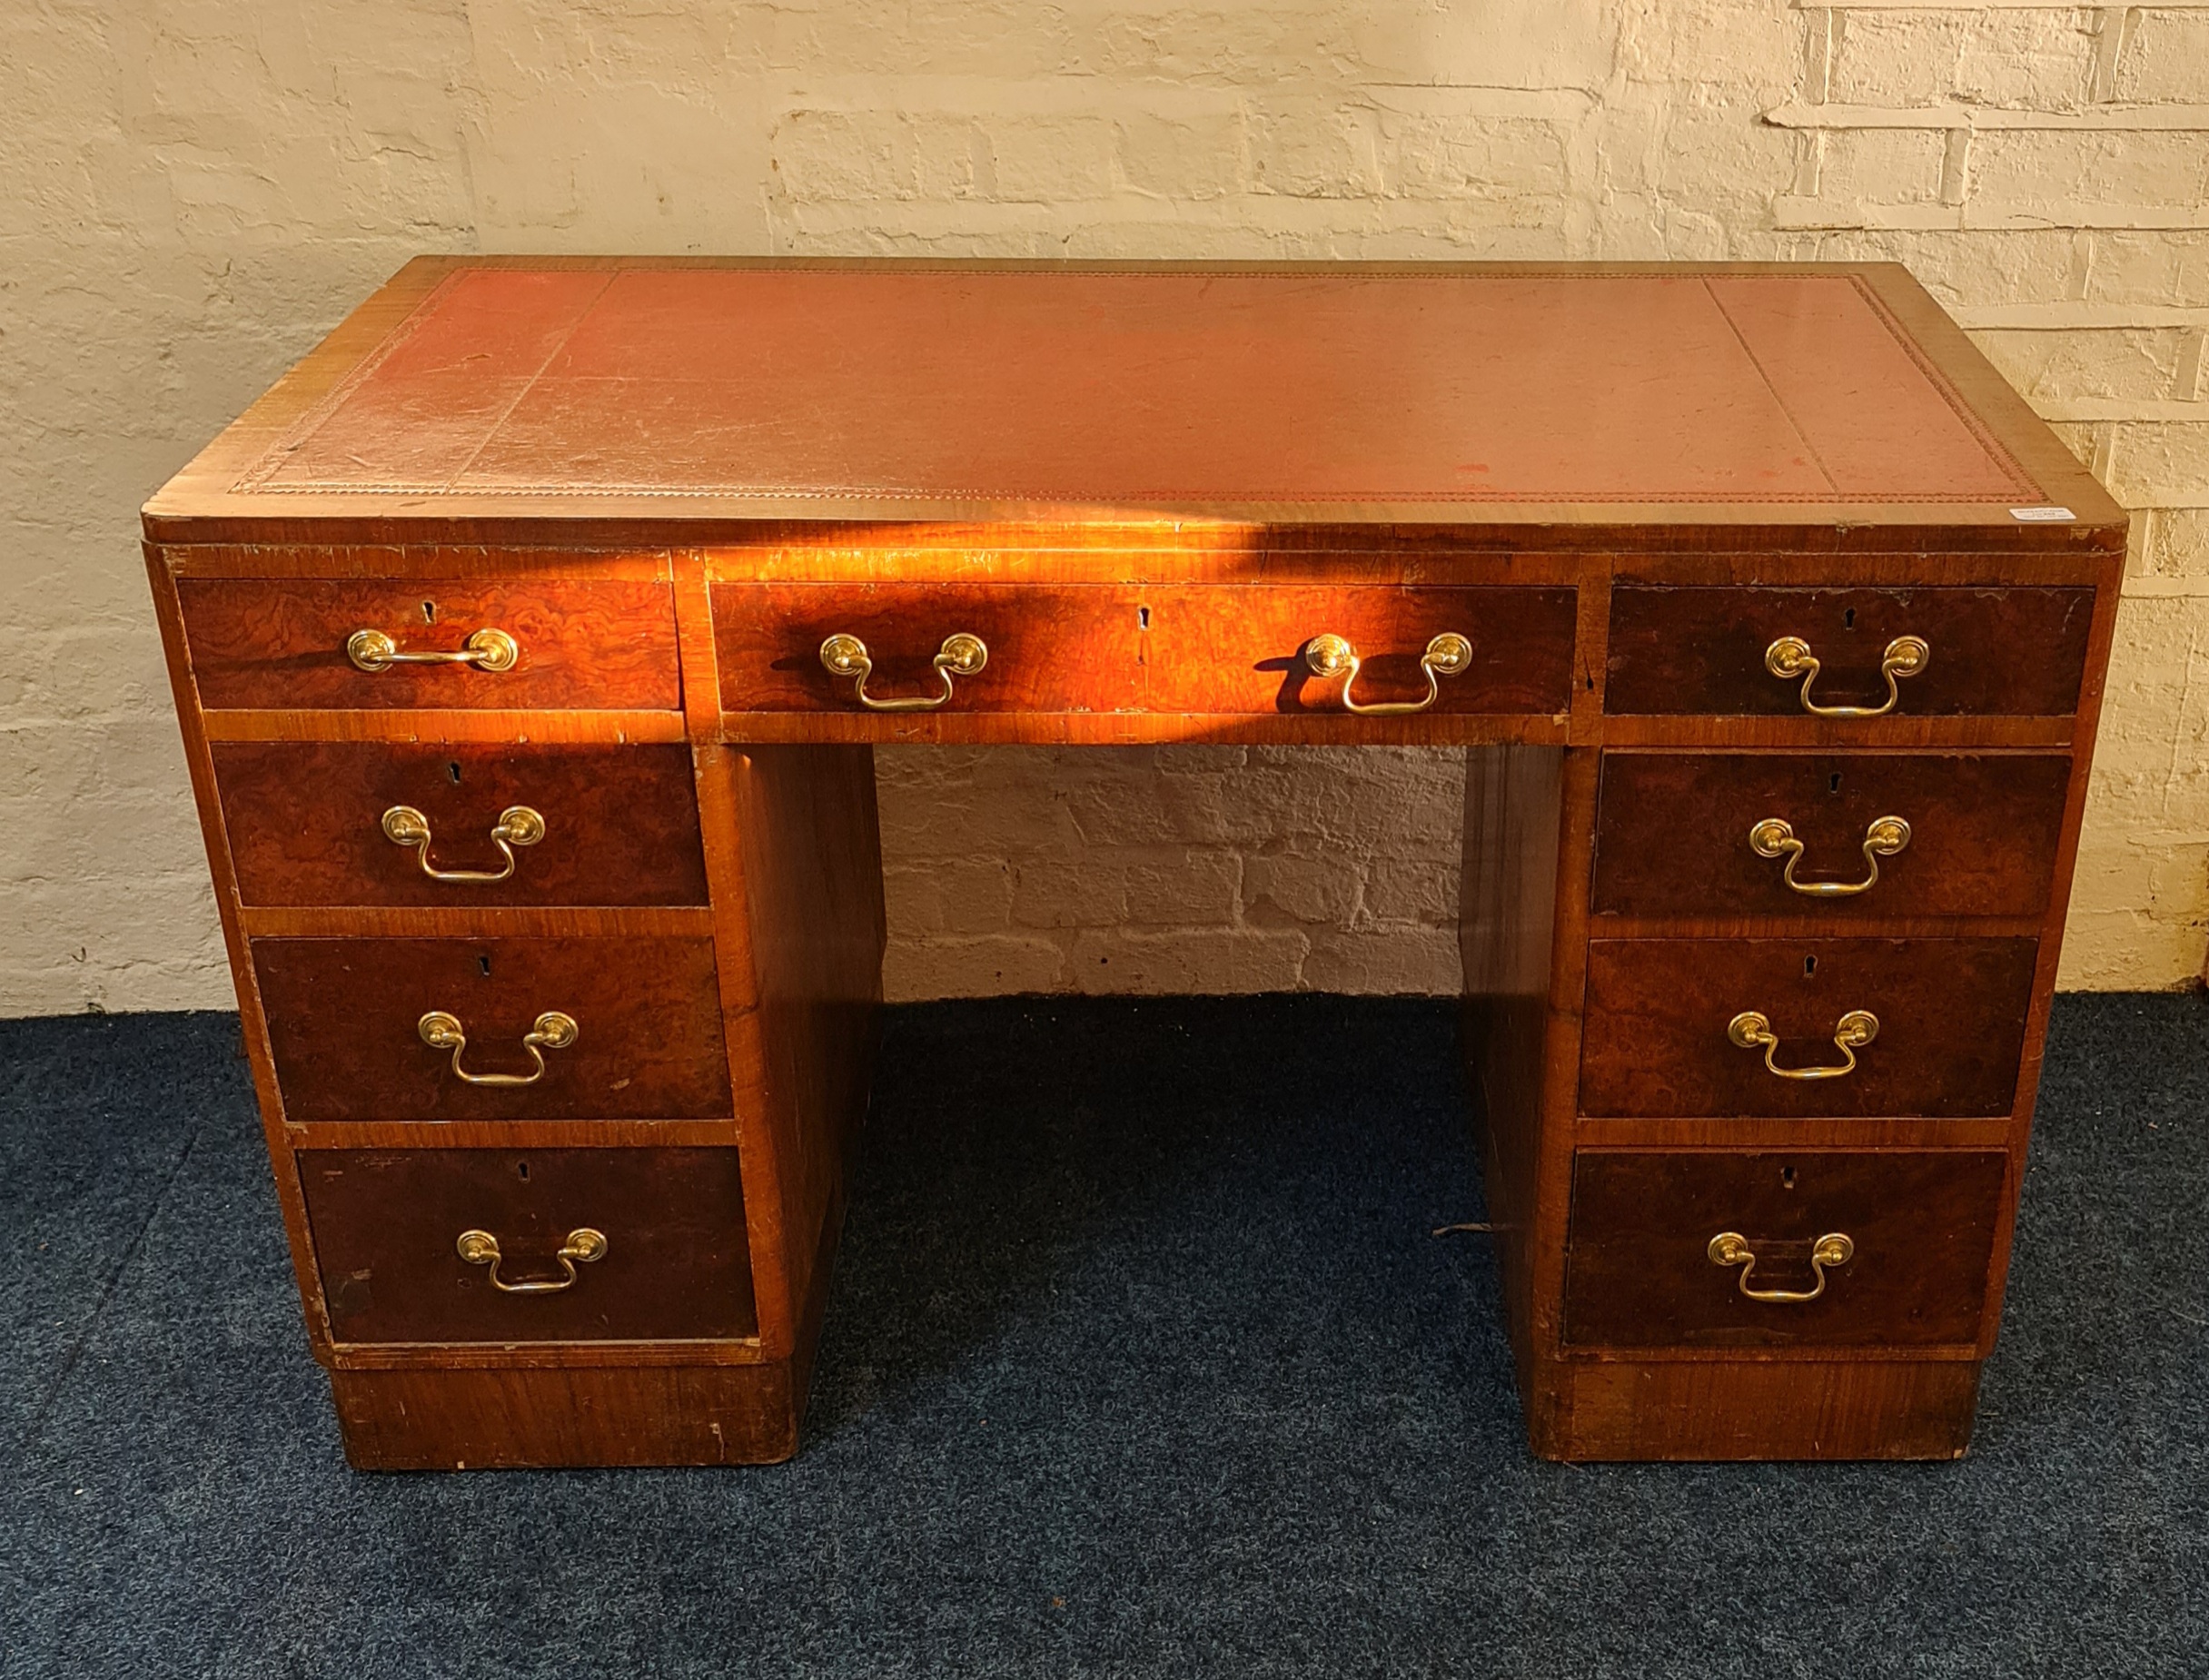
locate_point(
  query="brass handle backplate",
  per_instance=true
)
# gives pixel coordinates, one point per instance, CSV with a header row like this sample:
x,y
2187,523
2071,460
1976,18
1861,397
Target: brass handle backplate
x,y
487,651
1775,838
1330,657
1730,1248
1752,1031
1906,656
553,1030
479,1248
517,825
846,655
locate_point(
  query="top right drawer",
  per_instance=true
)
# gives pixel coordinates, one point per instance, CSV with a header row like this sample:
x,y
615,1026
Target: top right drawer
x,y
1850,652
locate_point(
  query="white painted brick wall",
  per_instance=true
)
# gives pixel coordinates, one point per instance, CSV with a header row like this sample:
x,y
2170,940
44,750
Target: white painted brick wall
x,y
197,191
1170,869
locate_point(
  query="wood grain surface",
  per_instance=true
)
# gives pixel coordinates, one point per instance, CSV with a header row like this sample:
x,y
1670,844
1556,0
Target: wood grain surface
x,y
1050,651
1672,833
541,1417
1225,649
386,1221
1509,908
306,823
342,1015
1853,1404
1923,1223
2009,652
280,643
811,846
1951,1014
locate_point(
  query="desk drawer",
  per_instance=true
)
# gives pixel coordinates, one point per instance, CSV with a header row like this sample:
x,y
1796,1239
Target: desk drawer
x,y
1919,1224
1219,650
309,823
387,1226
1951,1018
1677,834
1229,649
345,1021
1995,651
280,644
1077,648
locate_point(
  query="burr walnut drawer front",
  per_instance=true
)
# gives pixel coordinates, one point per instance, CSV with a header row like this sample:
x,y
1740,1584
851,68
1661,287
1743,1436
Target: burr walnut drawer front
x,y
378,823
1818,1248
1219,649
1932,652
927,646
557,643
1805,1028
1858,834
467,1245
625,1028
1347,651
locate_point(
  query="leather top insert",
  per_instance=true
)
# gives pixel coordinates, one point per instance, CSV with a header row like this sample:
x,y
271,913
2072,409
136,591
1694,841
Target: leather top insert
x,y
1123,390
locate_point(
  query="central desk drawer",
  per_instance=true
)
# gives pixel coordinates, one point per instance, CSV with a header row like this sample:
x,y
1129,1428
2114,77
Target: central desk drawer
x,y
1719,833
1947,1026
365,822
558,643
1194,648
1918,1228
2004,652
670,1261
642,1038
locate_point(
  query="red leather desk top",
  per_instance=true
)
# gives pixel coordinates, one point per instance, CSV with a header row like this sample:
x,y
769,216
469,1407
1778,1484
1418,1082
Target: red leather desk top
x,y
868,390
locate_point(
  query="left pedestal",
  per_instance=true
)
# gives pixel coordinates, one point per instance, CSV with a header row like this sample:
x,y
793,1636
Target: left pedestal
x,y
560,1010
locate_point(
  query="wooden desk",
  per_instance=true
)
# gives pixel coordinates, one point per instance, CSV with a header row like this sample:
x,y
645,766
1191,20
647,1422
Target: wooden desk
x,y
1774,622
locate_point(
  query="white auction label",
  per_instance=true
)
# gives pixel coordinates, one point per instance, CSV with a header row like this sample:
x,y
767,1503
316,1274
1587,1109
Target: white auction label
x,y
2044,515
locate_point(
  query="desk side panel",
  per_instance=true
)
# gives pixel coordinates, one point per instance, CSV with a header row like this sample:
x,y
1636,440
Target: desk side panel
x,y
813,884
1512,924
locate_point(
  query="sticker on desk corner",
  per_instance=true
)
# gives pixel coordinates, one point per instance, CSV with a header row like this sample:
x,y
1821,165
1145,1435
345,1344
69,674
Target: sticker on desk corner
x,y
2041,516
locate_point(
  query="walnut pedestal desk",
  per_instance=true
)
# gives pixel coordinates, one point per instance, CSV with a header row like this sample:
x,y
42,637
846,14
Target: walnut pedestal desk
x,y
533,637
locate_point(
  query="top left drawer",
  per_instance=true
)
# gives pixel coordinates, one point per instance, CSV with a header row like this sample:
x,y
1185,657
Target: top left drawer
x,y
381,643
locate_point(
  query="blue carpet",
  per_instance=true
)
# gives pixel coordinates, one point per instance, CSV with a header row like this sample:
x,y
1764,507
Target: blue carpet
x,y
1141,1361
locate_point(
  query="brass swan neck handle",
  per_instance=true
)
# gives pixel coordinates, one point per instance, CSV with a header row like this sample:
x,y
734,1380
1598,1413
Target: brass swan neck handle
x,y
1906,656
962,655
1774,837
584,1245
517,825
1753,1031
553,1031
1730,1248
487,651
1330,657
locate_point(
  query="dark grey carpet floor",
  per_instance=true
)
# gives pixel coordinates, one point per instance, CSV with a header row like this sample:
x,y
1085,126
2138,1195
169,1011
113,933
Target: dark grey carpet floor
x,y
1141,1361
